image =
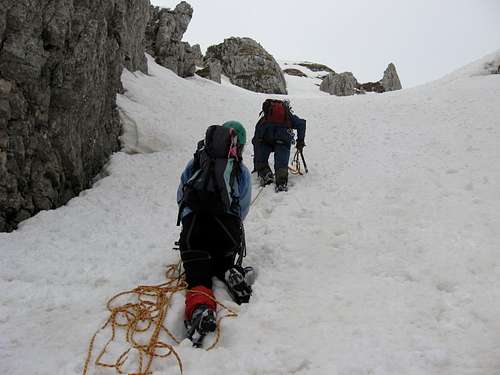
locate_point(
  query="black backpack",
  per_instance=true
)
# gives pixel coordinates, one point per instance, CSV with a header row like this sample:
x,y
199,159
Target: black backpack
x,y
216,166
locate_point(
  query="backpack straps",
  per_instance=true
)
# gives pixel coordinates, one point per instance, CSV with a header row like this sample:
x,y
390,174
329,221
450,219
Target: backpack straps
x,y
195,167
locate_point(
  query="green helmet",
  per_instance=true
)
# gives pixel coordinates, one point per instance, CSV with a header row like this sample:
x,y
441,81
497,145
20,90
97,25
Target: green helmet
x,y
240,131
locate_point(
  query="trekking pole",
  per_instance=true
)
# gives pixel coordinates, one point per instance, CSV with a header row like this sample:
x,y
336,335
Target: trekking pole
x,y
295,167
257,196
303,161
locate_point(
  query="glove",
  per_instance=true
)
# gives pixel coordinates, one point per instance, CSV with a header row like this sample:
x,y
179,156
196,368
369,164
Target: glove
x,y
300,145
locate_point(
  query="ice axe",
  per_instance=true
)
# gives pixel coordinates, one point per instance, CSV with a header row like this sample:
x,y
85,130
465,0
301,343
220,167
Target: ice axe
x,y
303,161
295,168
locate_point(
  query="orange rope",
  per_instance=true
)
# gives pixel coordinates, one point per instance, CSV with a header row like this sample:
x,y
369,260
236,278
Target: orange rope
x,y
146,314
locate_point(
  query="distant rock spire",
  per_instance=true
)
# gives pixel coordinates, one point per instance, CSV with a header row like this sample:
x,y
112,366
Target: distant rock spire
x,y
391,81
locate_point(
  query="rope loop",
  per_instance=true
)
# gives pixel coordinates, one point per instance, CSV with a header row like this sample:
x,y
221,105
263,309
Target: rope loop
x,y
145,315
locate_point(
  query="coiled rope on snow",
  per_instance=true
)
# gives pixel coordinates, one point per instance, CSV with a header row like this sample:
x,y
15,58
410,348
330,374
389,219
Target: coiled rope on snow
x,y
145,315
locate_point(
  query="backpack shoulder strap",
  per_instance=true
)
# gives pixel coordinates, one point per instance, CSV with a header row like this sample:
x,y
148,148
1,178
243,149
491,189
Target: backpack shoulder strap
x,y
235,173
195,170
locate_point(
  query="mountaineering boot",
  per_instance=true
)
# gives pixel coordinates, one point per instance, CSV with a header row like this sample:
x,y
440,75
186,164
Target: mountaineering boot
x,y
281,180
202,322
267,179
250,275
282,187
237,284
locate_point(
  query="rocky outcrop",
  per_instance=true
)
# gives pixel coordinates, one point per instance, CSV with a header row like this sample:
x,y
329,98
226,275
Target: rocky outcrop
x,y
212,70
248,65
390,81
197,55
294,72
343,84
346,84
60,68
164,39
316,67
371,87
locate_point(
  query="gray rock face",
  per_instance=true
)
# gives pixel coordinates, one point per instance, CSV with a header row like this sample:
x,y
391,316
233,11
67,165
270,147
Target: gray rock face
x,y
249,65
212,71
198,55
164,39
390,81
60,68
343,84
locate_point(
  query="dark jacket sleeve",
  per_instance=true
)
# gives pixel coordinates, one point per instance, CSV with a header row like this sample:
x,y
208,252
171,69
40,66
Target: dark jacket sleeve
x,y
300,125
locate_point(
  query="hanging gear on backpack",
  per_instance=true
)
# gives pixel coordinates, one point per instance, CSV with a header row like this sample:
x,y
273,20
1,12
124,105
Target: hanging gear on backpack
x,y
276,112
215,168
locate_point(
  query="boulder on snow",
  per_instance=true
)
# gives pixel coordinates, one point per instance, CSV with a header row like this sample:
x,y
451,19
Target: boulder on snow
x,y
248,65
60,70
164,39
390,81
343,84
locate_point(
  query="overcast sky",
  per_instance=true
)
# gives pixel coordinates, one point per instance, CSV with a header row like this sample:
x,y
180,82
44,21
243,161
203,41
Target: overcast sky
x,y
426,39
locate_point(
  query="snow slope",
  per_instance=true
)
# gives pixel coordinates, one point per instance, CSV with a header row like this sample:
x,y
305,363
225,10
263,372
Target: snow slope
x,y
382,261
303,86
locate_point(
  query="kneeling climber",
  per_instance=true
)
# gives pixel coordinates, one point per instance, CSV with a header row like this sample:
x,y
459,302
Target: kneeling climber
x,y
214,198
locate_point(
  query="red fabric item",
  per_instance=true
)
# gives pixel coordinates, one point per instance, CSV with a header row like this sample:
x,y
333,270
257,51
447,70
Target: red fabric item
x,y
277,113
199,295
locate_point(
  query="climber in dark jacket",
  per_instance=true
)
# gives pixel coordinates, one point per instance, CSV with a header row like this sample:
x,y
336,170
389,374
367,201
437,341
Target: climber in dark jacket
x,y
274,133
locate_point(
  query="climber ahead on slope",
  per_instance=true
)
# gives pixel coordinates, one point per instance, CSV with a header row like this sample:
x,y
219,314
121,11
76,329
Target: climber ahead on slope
x,y
214,199
274,133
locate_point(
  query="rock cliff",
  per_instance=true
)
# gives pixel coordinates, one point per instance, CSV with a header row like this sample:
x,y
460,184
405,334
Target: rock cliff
x,y
60,68
164,39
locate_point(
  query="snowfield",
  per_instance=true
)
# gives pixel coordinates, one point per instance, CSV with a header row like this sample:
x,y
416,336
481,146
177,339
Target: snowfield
x,y
383,260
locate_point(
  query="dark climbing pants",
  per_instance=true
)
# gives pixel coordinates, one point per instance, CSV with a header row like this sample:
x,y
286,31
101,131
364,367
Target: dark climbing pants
x,y
270,138
209,245
262,151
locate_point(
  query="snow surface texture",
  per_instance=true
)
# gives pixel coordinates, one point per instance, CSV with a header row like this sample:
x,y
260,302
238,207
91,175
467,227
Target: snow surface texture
x,y
383,260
